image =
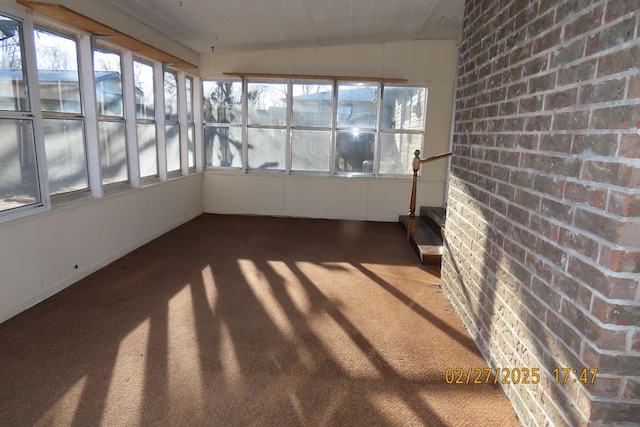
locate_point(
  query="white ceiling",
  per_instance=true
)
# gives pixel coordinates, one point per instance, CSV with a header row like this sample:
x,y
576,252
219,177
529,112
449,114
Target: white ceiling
x,y
231,25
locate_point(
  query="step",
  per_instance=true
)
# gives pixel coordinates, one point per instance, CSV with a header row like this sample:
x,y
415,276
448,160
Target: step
x,y
426,243
435,218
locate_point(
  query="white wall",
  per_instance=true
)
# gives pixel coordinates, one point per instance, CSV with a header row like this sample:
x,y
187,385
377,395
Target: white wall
x,y
313,197
38,254
421,62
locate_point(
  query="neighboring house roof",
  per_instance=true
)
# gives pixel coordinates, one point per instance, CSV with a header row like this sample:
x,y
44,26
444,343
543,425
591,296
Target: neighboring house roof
x,y
70,76
361,94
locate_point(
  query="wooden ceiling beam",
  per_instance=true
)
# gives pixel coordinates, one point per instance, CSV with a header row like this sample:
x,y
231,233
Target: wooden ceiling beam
x,y
78,20
315,77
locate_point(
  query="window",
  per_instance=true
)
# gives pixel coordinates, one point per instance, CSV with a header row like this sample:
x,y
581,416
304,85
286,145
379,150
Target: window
x,y
172,124
111,124
312,106
266,125
222,109
356,127
145,118
19,179
402,130
191,141
60,99
323,127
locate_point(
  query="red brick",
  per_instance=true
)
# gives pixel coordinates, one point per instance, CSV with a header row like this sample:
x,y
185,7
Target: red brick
x,y
610,90
634,88
630,145
542,83
571,120
600,144
617,413
585,194
604,386
546,293
568,9
611,36
632,389
578,242
584,23
558,210
635,341
621,261
616,314
619,61
618,8
609,364
567,53
563,99
550,185
620,117
614,288
531,104
581,321
574,290
546,228
557,142
624,204
624,175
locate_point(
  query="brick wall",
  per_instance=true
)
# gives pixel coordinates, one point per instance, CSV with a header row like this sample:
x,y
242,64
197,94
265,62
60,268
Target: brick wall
x,y
542,257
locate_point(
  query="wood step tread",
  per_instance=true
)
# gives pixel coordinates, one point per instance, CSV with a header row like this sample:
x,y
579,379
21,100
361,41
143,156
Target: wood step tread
x,y
426,243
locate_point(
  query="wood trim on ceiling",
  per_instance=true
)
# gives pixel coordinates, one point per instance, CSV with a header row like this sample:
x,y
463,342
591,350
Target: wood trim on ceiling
x,y
77,20
316,77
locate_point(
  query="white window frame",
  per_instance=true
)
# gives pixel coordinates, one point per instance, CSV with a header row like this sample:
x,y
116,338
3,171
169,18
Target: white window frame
x,y
377,130
34,115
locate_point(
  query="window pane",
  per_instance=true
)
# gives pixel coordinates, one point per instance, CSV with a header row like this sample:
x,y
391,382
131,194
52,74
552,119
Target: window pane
x,y
396,152
223,147
173,147
266,148
310,150
13,90
113,152
222,102
403,108
108,83
189,92
191,146
312,105
57,61
354,151
357,105
170,97
148,151
18,169
267,103
66,159
145,97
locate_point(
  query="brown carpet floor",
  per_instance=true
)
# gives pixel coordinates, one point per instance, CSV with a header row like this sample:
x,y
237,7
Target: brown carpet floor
x,y
249,321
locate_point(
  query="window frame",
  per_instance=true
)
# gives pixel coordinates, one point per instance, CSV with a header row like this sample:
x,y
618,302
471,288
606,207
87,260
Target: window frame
x,y
329,128
33,115
225,125
65,196
172,173
396,131
122,185
376,132
152,121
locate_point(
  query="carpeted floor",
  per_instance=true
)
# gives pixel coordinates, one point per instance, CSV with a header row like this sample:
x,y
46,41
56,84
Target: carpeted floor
x,y
249,321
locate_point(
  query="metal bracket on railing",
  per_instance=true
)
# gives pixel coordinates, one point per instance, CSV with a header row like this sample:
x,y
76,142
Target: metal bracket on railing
x,y
417,162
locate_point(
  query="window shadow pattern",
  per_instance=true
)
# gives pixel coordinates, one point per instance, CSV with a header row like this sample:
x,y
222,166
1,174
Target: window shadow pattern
x,y
248,321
